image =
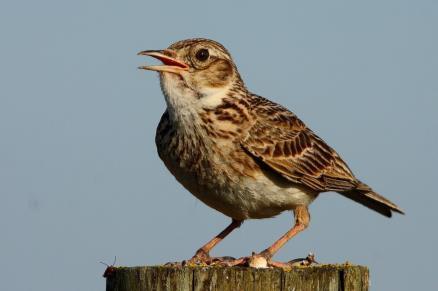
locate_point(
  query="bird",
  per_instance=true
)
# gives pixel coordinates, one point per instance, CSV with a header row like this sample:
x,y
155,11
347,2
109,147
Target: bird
x,y
242,154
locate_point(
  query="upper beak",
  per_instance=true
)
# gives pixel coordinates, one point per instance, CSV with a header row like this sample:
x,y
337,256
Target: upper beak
x,y
171,65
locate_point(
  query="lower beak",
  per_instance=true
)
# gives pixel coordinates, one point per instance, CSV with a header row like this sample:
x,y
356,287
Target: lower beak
x,y
171,65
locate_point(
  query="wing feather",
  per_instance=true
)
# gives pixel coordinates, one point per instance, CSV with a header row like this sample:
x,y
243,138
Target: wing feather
x,y
284,143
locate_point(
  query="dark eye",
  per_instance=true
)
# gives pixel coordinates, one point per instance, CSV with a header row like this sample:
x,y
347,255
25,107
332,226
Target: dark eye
x,y
202,55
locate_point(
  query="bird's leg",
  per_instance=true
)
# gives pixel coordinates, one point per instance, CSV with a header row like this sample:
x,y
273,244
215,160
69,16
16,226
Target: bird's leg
x,y
203,254
263,259
302,219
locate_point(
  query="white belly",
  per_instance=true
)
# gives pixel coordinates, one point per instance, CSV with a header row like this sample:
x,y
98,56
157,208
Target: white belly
x,y
246,198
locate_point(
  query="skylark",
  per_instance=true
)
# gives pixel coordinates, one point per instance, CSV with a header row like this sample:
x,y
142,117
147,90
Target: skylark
x,y
240,153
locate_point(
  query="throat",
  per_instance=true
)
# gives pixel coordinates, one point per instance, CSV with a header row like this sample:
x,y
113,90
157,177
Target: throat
x,y
180,100
184,104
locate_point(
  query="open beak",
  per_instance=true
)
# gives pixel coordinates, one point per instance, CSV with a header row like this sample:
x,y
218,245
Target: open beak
x,y
170,64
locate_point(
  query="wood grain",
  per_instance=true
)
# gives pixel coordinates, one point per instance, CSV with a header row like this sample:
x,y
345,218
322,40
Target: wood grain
x,y
161,278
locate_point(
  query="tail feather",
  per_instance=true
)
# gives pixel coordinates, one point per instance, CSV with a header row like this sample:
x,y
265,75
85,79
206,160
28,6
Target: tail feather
x,y
367,197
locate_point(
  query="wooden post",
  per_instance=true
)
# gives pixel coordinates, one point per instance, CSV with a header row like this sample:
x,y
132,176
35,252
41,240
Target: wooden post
x,y
344,277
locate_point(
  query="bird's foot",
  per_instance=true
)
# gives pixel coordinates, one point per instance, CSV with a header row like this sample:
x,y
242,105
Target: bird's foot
x,y
203,258
259,261
255,261
307,261
263,260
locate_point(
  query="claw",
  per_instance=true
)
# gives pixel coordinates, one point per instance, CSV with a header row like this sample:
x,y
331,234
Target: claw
x,y
254,261
307,261
200,258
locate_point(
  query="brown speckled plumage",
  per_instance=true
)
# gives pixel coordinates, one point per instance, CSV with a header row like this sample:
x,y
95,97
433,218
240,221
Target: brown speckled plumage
x,y
240,153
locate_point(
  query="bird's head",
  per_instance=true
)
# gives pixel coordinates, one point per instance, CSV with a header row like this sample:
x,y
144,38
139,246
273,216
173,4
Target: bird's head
x,y
194,70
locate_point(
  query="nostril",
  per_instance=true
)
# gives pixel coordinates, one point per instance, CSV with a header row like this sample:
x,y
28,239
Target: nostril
x,y
169,53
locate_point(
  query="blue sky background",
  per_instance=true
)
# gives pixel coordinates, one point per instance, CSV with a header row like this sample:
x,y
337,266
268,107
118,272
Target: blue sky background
x,y
80,180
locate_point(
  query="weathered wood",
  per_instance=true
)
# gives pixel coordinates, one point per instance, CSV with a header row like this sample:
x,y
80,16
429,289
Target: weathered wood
x,y
160,278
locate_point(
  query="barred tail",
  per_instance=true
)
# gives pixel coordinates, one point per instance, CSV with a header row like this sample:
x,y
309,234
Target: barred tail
x,y
367,197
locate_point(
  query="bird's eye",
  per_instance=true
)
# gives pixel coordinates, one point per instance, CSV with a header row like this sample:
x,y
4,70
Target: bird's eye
x,y
202,55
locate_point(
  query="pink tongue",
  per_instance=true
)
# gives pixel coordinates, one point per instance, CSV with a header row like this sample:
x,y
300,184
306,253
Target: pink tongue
x,y
171,62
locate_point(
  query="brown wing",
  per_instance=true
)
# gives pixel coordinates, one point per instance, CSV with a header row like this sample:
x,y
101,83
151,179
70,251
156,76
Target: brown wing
x,y
285,144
